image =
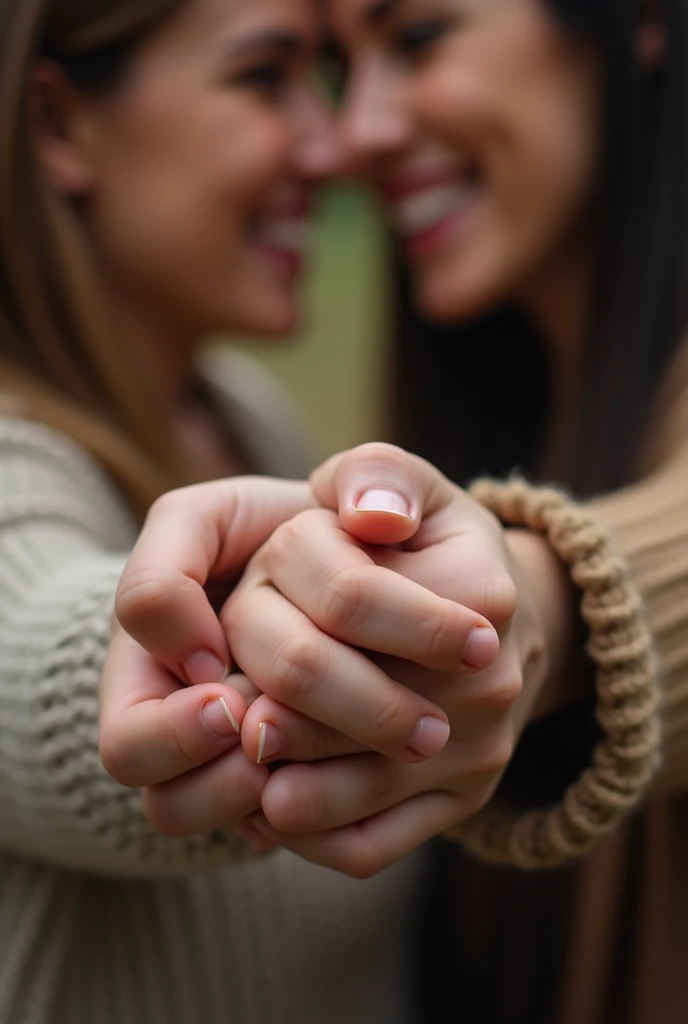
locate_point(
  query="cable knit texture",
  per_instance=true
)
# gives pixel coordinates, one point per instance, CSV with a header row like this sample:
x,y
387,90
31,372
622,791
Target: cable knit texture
x,y
102,920
628,694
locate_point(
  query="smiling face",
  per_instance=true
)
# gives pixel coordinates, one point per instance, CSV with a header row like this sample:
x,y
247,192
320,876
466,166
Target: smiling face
x,y
476,122
202,164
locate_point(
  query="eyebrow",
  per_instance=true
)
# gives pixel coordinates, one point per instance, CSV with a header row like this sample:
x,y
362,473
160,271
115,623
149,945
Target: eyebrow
x,y
289,43
380,10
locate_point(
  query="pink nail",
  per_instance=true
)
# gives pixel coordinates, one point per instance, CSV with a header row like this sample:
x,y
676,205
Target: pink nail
x,y
482,648
205,667
269,742
219,720
431,736
383,499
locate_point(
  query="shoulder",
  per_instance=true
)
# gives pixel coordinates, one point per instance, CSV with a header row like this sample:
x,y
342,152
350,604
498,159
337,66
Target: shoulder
x,y
45,474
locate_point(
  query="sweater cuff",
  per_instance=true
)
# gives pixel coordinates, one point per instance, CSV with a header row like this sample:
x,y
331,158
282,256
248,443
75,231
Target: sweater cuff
x,y
627,691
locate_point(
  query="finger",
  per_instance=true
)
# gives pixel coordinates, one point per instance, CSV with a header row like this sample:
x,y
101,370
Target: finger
x,y
193,536
321,569
210,798
271,732
252,837
151,729
288,658
381,492
245,687
469,569
471,702
313,798
365,848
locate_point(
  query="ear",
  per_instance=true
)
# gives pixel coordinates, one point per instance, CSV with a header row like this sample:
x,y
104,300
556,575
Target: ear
x,y
651,34
60,130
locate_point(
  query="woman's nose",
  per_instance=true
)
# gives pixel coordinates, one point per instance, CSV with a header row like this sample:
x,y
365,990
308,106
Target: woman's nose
x,y
372,125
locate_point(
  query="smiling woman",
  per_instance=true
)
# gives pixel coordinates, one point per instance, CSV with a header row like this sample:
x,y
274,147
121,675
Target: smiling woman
x,y
158,160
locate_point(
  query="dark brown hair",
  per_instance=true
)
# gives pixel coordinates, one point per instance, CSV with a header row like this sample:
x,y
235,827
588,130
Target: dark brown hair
x,y
474,398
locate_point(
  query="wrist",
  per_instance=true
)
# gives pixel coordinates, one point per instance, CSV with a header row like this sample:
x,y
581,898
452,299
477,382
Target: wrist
x,y
553,670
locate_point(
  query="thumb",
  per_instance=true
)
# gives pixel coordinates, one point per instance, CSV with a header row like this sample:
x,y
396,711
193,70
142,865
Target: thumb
x,y
382,493
192,538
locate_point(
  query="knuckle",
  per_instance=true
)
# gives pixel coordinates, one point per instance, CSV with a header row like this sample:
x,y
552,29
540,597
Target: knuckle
x,y
282,541
436,630
496,756
378,451
297,667
499,597
324,743
143,595
341,603
387,724
162,814
167,504
240,787
114,757
181,749
503,597
502,694
361,859
298,809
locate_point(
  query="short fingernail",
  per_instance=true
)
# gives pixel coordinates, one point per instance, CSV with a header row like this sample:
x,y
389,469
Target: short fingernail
x,y
482,648
219,720
430,737
383,499
205,667
269,742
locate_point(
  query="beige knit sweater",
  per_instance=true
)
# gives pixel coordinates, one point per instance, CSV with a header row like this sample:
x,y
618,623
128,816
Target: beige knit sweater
x,y
101,920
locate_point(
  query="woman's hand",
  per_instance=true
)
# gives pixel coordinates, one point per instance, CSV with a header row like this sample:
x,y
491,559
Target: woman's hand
x,y
360,813
181,743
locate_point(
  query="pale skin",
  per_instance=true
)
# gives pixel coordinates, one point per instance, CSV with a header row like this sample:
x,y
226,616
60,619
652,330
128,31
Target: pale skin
x,y
312,694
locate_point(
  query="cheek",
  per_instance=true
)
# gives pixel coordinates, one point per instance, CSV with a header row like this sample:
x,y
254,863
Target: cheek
x,y
187,184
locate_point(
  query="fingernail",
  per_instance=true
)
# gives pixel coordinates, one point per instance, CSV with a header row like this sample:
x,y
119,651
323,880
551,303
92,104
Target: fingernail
x,y
269,741
430,737
205,667
482,648
383,499
219,720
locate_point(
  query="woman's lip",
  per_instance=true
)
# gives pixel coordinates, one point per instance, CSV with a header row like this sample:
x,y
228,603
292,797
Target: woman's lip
x,y
402,188
290,261
424,242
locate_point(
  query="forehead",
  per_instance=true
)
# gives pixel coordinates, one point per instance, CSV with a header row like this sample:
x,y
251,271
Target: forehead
x,y
346,16
211,17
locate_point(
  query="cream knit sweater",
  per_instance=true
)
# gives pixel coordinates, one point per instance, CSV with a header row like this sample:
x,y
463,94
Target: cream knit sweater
x,y
102,921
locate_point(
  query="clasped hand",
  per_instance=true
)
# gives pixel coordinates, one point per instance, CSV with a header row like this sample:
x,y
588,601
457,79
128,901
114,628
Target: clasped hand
x,y
390,650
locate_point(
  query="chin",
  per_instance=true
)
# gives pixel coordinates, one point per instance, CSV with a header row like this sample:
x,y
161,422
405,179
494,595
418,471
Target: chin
x,y
451,295
275,321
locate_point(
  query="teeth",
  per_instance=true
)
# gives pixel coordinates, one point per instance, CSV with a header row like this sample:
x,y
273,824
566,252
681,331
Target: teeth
x,y
294,235
424,210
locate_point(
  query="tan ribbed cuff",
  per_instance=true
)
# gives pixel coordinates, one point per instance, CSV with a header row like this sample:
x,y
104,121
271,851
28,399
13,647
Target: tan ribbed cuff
x,y
628,693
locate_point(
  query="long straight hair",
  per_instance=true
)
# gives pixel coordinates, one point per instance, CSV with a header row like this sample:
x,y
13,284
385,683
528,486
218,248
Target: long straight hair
x,y
59,358
475,398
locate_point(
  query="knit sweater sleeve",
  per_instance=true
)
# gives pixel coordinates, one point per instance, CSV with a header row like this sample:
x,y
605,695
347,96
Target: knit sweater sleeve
x,y
64,537
628,554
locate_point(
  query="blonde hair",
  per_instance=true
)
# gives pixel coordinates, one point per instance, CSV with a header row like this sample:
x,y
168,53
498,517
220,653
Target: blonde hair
x,y
60,362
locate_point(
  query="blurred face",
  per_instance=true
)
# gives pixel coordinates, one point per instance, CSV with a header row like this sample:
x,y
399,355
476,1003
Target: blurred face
x,y
203,165
476,123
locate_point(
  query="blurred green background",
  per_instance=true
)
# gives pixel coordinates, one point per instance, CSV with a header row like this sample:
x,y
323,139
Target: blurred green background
x,y
336,368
